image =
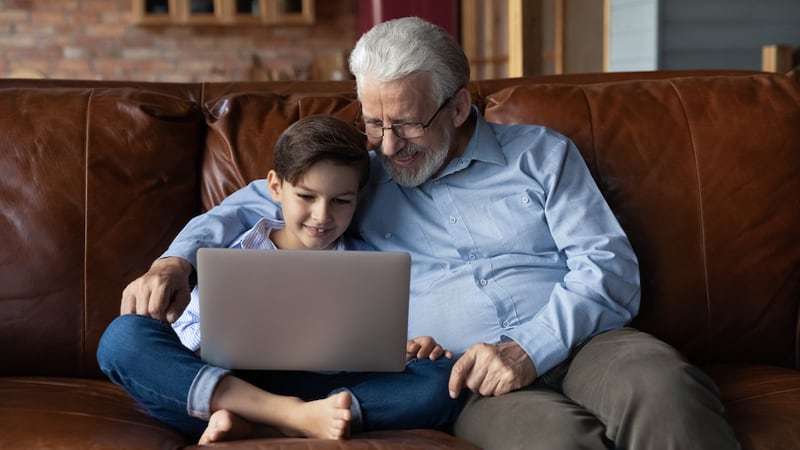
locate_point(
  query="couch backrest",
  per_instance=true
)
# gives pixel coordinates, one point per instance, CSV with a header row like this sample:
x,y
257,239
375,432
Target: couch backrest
x,y
704,175
96,178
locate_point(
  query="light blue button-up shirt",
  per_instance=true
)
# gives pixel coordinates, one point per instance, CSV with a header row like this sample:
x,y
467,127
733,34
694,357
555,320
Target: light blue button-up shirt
x,y
512,241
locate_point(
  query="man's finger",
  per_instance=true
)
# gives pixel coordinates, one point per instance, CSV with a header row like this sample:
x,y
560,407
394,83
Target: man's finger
x,y
127,305
158,304
459,373
142,299
178,304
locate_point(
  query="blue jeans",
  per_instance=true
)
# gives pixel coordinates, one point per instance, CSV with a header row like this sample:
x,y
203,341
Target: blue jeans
x,y
146,358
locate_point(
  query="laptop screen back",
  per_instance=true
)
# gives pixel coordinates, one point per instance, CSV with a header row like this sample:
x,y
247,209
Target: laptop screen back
x,y
303,310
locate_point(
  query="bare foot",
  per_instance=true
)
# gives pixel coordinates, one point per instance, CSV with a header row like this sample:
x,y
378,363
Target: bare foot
x,y
223,425
327,418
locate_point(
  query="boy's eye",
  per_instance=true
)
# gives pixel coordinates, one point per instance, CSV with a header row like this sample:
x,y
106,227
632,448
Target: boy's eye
x,y
305,196
341,201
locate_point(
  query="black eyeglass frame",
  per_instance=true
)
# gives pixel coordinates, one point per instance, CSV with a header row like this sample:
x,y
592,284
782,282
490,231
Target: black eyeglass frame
x,y
362,127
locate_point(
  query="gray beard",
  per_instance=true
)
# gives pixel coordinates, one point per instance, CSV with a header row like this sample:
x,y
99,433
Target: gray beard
x,y
434,159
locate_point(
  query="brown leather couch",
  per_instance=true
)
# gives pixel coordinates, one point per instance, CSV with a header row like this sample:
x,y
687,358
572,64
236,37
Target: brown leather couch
x,y
702,168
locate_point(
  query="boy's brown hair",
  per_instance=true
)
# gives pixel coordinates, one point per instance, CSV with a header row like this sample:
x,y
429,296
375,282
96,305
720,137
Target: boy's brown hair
x,y
320,138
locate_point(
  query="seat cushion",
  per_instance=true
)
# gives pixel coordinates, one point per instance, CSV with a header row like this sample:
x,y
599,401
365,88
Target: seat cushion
x,y
762,404
38,412
54,413
374,440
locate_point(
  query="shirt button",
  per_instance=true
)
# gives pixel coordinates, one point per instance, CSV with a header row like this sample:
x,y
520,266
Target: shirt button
x,y
453,219
388,235
525,199
505,324
472,257
484,282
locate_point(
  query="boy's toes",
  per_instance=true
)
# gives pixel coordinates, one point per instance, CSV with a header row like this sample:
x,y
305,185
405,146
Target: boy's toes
x,y
340,429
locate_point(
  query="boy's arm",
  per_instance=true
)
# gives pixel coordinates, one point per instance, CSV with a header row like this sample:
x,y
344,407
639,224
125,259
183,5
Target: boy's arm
x,y
163,291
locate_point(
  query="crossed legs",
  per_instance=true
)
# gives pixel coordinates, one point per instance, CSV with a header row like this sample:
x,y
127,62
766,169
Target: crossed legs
x,y
145,357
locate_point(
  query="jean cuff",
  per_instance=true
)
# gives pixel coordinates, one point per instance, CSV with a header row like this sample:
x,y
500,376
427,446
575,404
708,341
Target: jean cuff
x,y
198,403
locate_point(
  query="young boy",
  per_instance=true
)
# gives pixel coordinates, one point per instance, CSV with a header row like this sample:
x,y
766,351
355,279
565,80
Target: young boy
x,y
320,168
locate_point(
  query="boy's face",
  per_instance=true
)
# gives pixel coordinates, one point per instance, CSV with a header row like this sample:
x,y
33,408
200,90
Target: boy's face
x,y
318,208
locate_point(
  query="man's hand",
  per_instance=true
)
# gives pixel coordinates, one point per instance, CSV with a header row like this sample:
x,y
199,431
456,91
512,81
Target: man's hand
x,y
425,347
161,293
492,369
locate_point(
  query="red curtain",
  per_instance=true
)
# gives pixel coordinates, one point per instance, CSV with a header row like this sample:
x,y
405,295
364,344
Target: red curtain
x,y
444,13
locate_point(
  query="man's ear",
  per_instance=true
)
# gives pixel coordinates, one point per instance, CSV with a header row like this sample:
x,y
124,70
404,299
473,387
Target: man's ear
x,y
274,184
463,104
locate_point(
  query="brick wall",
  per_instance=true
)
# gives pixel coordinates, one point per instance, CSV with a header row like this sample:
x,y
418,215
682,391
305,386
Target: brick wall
x,y
95,39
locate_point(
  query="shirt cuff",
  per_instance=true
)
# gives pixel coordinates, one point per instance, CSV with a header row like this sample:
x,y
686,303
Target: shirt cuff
x,y
187,251
545,349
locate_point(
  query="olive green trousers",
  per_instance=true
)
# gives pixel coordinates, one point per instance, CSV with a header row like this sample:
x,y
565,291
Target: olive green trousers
x,y
623,389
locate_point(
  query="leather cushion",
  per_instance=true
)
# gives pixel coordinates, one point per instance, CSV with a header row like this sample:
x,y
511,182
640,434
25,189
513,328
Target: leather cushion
x,y
94,185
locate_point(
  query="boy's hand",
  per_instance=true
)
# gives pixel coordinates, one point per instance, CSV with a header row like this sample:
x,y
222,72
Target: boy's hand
x,y
425,347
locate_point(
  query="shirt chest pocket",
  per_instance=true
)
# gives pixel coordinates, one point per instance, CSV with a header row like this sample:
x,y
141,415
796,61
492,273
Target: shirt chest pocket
x,y
521,223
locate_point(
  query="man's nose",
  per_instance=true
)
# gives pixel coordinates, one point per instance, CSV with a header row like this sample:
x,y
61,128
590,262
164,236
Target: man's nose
x,y
391,143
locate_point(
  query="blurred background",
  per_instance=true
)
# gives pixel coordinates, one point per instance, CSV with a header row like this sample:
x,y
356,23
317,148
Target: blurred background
x,y
235,40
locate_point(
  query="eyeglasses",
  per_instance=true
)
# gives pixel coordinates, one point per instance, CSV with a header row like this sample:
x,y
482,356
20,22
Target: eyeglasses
x,y
374,131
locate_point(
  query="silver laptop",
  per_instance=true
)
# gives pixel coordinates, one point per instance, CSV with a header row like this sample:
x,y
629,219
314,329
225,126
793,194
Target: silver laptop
x,y
303,310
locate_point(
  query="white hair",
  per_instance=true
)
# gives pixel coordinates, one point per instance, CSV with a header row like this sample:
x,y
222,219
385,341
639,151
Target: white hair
x,y
399,48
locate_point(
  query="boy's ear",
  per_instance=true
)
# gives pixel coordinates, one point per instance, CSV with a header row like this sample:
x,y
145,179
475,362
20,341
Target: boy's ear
x,y
274,184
